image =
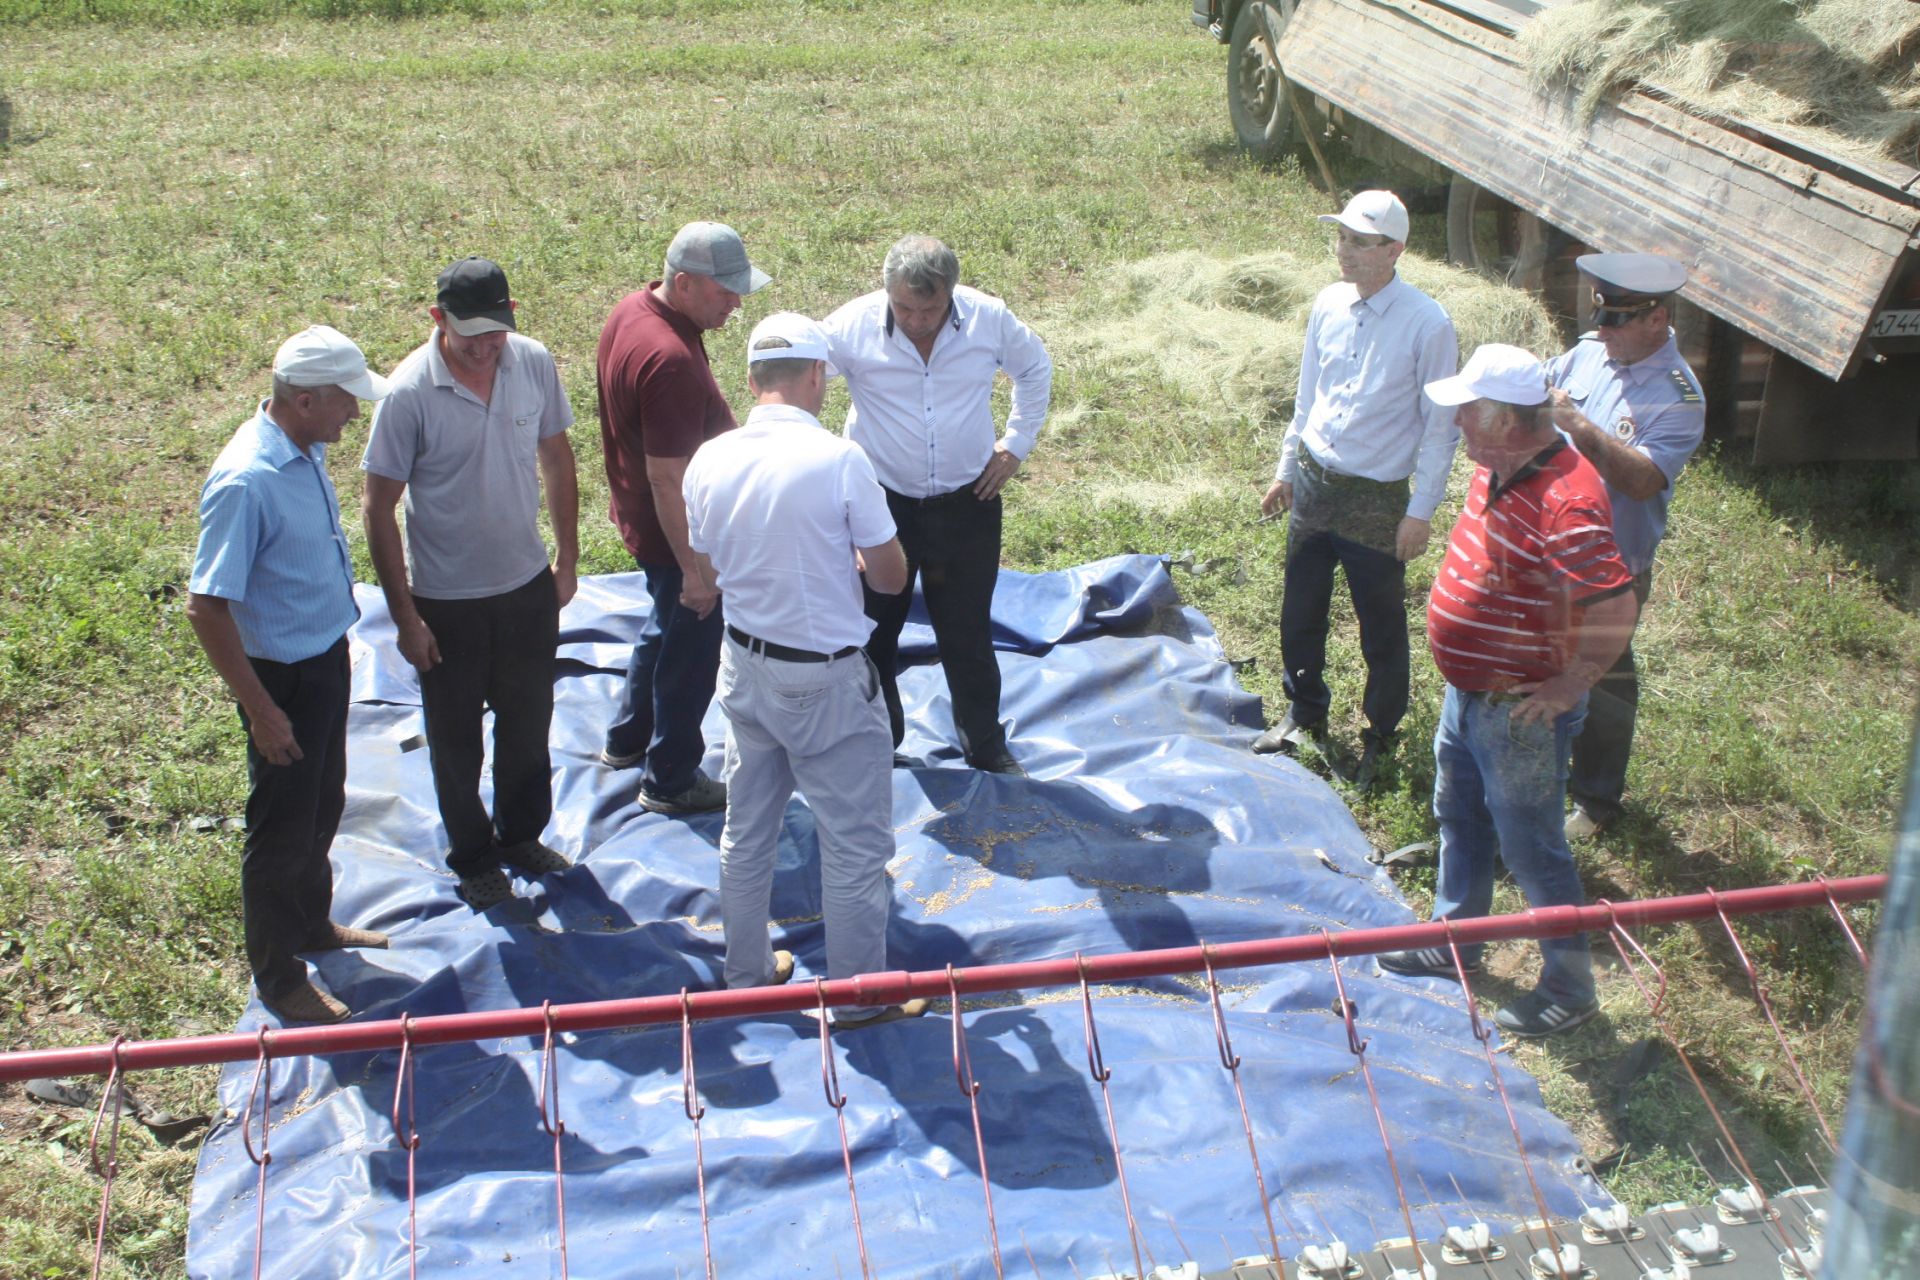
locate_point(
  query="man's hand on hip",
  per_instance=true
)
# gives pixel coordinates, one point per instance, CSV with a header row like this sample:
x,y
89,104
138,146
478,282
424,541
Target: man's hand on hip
x,y
273,735
999,469
698,596
1412,537
417,644
1279,497
1551,699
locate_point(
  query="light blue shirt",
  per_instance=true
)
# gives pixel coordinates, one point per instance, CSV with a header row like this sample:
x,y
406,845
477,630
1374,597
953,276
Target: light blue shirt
x,y
1655,405
1361,409
271,545
927,424
471,469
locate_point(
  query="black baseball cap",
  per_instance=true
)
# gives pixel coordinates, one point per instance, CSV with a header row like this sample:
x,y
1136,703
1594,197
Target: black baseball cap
x,y
473,294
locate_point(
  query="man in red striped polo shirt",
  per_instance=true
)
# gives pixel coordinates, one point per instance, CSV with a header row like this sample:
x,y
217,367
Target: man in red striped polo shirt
x,y
1531,606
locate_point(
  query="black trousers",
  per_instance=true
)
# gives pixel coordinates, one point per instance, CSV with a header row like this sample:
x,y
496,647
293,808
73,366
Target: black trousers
x,y
293,810
495,653
1598,777
952,542
1350,522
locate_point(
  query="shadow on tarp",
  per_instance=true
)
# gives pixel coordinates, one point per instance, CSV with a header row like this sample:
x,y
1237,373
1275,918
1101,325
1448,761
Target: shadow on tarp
x,y
1148,823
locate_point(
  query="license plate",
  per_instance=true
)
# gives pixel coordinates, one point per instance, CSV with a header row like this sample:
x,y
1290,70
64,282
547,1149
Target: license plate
x,y
1897,324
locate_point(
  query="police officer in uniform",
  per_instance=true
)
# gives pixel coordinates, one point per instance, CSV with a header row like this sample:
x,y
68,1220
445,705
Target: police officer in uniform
x,y
1633,408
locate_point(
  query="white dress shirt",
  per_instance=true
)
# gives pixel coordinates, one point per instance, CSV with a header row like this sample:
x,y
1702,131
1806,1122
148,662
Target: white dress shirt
x,y
778,505
1362,409
927,424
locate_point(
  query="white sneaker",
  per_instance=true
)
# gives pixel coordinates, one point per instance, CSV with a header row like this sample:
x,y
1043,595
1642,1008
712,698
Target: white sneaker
x,y
1581,825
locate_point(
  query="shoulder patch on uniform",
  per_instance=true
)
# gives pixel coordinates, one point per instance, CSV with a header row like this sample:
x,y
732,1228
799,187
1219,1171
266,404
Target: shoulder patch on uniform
x,y
1689,394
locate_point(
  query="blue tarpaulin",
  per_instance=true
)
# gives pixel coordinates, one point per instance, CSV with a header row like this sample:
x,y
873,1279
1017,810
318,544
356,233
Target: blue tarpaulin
x,y
1147,823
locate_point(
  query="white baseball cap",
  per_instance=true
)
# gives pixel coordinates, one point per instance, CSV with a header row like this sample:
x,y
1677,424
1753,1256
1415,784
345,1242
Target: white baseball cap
x,y
1494,372
324,357
1373,213
805,339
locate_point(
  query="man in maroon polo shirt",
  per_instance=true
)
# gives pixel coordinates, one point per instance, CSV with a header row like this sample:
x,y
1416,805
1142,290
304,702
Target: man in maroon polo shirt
x,y
658,403
1532,604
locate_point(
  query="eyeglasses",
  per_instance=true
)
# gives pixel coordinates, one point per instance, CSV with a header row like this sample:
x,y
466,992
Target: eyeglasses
x,y
1607,315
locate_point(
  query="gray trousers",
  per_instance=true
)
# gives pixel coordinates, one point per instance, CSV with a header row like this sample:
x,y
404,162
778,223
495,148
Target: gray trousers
x,y
820,727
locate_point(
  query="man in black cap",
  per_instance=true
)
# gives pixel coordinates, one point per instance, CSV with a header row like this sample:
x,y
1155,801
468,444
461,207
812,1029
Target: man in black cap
x,y
476,424
1632,406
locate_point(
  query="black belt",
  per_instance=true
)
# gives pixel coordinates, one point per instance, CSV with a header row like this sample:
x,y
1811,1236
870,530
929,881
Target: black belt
x,y
1324,474
754,644
937,499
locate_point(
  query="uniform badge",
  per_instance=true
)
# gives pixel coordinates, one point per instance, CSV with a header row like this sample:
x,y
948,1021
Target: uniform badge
x,y
1624,428
1689,394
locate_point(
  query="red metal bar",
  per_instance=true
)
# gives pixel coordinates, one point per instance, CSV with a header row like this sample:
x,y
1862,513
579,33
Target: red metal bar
x,y
262,1087
1358,1047
550,1121
109,1097
1231,1061
1485,1037
1097,1068
1765,1001
873,989
830,1080
1768,1215
690,1101
409,1140
963,1077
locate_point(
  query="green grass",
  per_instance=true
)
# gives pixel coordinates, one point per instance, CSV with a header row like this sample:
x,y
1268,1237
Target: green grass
x,y
188,183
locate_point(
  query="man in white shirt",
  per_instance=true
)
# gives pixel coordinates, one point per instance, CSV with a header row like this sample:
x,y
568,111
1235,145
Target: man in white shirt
x,y
783,516
919,356
1360,429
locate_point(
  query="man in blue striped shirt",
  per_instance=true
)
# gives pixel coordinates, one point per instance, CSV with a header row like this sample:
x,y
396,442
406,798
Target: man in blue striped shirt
x,y
271,600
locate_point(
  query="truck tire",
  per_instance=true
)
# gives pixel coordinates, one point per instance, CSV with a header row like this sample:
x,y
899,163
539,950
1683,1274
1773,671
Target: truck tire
x,y
1493,237
1256,87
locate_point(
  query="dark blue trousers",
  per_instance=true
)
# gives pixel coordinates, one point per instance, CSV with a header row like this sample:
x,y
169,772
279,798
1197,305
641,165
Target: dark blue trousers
x,y
670,682
1377,581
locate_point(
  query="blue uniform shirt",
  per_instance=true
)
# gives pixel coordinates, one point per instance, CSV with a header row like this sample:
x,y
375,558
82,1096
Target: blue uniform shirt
x,y
272,547
1655,405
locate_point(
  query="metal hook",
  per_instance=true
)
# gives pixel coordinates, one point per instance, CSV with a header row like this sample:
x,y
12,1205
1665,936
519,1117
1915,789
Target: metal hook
x,y
1231,1061
829,1073
549,1077
109,1097
1480,1031
962,1060
970,1089
1096,1061
690,1103
1221,1040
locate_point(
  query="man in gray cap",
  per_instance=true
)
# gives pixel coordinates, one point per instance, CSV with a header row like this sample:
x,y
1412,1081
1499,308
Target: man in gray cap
x,y
270,601
658,403
1362,468
476,425
1630,404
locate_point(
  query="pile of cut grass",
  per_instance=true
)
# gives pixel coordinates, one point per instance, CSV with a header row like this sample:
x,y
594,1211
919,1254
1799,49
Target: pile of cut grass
x,y
1233,328
1842,70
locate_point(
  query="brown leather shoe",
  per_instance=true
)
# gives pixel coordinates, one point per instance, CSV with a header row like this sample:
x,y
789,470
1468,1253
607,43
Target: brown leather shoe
x,y
892,1013
305,1003
336,936
782,968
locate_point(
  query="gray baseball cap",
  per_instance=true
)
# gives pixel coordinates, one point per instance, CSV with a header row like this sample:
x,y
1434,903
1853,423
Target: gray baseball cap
x,y
714,249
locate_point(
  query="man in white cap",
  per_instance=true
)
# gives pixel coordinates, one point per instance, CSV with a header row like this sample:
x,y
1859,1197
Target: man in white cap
x,y
1362,468
658,403
1530,606
475,428
271,601
784,518
920,356
1632,406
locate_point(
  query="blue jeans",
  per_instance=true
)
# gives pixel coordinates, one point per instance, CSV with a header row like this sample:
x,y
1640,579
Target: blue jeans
x,y
669,685
1500,788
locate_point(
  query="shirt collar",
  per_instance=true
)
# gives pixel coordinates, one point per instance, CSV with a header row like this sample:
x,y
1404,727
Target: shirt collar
x,y
952,321
276,446
1383,299
1533,465
1655,361
771,414
686,328
437,360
